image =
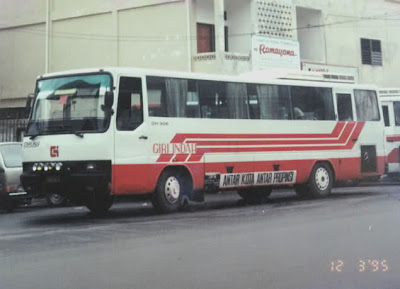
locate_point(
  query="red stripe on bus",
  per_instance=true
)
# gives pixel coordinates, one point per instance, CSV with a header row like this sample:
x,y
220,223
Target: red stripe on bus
x,y
393,138
180,138
347,144
393,157
142,178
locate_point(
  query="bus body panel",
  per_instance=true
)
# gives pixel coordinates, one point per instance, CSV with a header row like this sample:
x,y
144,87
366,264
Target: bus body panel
x,y
215,147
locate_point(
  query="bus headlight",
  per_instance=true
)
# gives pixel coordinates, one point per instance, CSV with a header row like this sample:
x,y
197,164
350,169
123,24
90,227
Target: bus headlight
x,y
90,166
40,167
58,166
34,167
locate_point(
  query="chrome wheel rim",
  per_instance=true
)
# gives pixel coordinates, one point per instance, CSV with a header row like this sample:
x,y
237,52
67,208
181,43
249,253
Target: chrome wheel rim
x,y
172,190
56,198
322,179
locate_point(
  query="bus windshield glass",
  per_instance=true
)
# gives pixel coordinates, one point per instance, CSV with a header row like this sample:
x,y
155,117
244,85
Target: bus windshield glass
x,y
71,104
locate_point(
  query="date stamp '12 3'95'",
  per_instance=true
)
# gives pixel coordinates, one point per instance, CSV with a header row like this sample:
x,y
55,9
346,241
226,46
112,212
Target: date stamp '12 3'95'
x,y
362,265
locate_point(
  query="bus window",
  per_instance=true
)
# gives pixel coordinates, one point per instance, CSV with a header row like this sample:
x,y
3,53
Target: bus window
x,y
366,105
385,110
396,108
130,105
237,101
344,107
269,101
172,97
213,102
312,103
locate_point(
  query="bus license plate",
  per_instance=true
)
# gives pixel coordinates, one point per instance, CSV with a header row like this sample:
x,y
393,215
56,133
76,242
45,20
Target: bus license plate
x,y
53,179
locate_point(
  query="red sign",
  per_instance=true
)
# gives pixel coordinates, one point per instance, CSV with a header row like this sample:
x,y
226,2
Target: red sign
x,y
54,152
63,99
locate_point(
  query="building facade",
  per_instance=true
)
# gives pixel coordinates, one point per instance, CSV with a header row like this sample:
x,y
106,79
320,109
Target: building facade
x,y
355,37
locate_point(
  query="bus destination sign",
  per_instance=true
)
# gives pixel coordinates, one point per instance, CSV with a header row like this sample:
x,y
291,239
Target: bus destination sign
x,y
257,179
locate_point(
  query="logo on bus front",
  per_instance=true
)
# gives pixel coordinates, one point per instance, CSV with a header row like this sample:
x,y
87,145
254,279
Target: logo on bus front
x,y
54,153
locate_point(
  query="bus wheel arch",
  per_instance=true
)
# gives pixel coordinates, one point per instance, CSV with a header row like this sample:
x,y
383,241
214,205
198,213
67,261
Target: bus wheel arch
x,y
320,181
174,186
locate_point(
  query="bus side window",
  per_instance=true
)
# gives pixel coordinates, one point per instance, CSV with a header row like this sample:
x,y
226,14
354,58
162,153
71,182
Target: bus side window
x,y
396,108
344,107
366,105
312,103
130,104
385,110
213,102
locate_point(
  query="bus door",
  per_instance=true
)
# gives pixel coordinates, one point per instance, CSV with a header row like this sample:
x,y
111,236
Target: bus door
x,y
391,116
346,113
371,137
131,141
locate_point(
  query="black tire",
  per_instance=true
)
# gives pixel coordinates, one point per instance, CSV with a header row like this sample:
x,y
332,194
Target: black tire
x,y
171,188
321,181
55,200
255,196
99,202
303,191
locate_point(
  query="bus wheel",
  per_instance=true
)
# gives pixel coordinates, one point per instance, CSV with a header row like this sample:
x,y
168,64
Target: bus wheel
x,y
168,195
255,195
321,180
100,202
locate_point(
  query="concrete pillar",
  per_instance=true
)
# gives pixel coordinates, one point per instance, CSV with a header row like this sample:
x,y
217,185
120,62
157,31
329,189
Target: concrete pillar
x,y
219,23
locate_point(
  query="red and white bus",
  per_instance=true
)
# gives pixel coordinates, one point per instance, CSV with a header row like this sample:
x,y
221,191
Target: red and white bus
x,y
94,134
390,99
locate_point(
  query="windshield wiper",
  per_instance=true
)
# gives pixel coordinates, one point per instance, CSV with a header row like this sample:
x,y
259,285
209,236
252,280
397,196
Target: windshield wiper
x,y
32,137
77,133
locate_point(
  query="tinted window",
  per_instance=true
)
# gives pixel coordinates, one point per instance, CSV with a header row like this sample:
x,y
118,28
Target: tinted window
x,y
173,97
385,111
344,107
366,105
213,102
312,103
130,105
12,155
396,108
269,101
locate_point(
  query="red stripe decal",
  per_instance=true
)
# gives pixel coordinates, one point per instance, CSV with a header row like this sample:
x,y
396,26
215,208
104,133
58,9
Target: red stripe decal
x,y
343,137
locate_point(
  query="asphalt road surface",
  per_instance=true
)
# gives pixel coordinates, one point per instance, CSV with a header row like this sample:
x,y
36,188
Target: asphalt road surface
x,y
350,240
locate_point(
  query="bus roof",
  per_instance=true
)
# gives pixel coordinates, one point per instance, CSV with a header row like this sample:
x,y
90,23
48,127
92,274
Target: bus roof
x,y
290,78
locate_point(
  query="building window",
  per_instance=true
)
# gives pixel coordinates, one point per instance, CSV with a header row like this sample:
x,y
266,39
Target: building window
x,y
371,52
205,38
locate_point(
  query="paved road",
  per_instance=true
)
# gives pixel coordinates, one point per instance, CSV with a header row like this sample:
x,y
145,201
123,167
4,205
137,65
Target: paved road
x,y
286,243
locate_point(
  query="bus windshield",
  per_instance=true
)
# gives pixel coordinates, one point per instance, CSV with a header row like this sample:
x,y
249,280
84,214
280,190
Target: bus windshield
x,y
70,104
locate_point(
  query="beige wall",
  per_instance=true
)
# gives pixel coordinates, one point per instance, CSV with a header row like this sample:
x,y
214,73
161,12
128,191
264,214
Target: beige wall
x,y
146,42
22,58
82,42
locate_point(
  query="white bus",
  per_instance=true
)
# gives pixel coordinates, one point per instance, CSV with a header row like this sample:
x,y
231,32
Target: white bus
x,y
95,134
390,99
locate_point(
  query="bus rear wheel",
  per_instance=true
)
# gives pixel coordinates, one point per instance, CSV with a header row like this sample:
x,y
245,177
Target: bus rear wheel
x,y
168,196
255,196
321,180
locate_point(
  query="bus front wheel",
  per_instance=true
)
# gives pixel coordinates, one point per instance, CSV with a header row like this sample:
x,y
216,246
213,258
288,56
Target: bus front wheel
x,y
255,196
168,196
99,202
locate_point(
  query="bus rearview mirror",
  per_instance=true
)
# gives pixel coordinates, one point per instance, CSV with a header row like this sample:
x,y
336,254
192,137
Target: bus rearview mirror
x,y
109,99
28,104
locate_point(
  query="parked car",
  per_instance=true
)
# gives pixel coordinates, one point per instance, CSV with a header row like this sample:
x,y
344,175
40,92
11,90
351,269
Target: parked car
x,y
11,192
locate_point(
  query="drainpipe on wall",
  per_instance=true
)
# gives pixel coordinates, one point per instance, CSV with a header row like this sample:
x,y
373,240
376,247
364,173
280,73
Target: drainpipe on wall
x,y
189,38
47,35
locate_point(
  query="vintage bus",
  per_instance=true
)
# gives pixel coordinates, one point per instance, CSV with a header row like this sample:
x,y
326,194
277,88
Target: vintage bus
x,y
172,136
390,100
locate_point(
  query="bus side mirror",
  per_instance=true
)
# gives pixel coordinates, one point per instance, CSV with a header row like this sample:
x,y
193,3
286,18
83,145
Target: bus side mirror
x,y
109,99
28,105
